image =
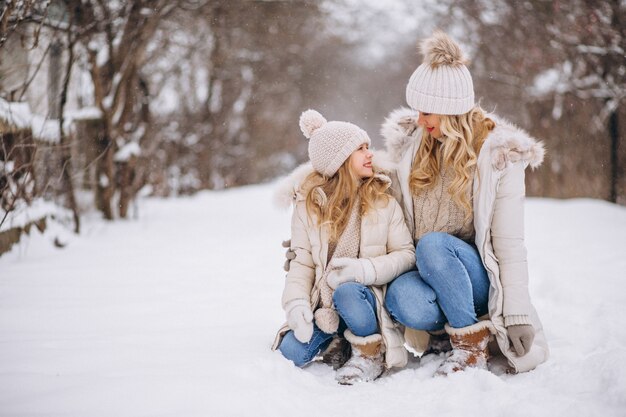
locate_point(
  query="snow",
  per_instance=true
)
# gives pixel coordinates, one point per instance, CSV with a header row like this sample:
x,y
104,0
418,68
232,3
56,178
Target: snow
x,y
86,113
46,130
15,113
23,214
173,314
126,151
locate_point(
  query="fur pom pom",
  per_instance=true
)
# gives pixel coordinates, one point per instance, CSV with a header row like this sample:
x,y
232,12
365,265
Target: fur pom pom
x,y
327,319
310,121
440,49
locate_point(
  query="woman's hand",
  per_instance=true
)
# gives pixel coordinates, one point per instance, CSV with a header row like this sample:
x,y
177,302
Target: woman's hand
x,y
350,270
300,319
522,336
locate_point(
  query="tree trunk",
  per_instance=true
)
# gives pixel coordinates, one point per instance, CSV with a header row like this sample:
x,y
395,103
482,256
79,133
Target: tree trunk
x,y
104,177
126,172
66,154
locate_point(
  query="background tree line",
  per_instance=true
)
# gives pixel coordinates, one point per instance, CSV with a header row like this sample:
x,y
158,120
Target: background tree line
x,y
187,95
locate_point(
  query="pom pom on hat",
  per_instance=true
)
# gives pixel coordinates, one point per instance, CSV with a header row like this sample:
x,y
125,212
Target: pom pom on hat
x,y
310,121
442,84
330,143
439,49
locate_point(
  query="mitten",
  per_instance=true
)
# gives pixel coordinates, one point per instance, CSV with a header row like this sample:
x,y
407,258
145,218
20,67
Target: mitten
x,y
522,336
290,254
300,319
351,270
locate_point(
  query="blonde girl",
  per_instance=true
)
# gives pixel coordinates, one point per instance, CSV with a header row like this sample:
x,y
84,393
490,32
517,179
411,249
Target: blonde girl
x,y
350,239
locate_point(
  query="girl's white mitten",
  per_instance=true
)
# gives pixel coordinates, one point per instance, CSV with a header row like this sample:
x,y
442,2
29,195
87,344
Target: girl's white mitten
x,y
300,319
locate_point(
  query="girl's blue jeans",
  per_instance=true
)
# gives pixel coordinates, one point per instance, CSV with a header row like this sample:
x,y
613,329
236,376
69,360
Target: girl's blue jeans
x,y
450,285
356,306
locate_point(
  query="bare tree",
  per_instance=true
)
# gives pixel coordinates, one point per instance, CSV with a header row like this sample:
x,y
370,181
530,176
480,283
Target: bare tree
x,y
559,68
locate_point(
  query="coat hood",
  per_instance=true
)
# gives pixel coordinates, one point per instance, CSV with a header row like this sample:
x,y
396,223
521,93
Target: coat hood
x,y
289,188
506,142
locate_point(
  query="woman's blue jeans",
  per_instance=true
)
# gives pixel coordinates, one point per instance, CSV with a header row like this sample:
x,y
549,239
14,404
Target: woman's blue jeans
x,y
450,286
356,306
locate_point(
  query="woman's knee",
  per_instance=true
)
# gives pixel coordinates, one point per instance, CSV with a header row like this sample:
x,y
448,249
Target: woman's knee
x,y
413,303
431,243
434,253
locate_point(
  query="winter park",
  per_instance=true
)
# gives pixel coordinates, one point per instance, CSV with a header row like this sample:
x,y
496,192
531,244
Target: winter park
x,y
451,177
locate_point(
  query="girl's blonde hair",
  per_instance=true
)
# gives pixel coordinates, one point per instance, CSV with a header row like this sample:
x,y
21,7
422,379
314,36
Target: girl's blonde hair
x,y
331,200
464,136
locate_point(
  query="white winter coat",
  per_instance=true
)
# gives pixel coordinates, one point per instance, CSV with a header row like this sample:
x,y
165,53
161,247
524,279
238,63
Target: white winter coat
x,y
385,241
498,201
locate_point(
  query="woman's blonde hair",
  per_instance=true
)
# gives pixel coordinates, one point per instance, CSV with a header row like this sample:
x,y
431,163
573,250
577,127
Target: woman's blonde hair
x,y
331,200
464,136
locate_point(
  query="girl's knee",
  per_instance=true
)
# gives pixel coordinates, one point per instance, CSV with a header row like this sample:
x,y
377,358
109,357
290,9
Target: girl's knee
x,y
351,295
356,305
347,291
294,350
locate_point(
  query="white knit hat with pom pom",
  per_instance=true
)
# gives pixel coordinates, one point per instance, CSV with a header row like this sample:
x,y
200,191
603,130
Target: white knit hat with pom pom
x,y
330,143
442,84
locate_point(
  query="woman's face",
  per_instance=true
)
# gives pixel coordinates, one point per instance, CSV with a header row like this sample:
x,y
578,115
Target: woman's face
x,y
361,162
430,122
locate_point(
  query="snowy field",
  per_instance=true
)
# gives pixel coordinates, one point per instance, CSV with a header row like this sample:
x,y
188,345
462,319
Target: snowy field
x,y
173,314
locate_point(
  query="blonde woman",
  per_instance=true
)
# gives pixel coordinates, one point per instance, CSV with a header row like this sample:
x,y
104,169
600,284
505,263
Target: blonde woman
x,y
460,181
350,239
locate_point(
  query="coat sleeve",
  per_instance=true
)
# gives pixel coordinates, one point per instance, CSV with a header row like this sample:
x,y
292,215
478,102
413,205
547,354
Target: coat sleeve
x,y
301,275
507,238
400,255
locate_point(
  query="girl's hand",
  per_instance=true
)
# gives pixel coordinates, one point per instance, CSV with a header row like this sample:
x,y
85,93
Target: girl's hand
x,y
350,270
300,319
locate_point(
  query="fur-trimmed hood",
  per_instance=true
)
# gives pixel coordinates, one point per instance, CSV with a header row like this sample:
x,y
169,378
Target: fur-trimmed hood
x,y
506,142
289,188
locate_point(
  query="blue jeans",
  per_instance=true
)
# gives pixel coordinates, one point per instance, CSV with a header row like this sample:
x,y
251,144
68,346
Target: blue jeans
x,y
450,285
356,306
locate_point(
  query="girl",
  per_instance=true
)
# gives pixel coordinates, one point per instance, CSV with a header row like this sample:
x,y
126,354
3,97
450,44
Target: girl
x,y
350,239
461,186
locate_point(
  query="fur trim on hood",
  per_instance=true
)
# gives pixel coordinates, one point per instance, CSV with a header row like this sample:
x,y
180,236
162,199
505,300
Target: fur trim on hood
x,y
288,189
507,142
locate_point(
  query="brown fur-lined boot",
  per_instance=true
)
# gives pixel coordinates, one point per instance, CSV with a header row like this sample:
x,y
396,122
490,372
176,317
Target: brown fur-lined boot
x,y
469,348
366,362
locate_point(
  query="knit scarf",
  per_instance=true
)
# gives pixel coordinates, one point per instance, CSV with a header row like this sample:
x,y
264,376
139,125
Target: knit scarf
x,y
326,316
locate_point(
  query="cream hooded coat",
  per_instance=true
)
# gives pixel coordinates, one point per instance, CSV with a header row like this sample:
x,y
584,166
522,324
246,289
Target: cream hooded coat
x,y
498,201
385,241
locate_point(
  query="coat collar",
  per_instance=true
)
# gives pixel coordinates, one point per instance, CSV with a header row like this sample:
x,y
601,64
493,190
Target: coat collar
x,y
506,143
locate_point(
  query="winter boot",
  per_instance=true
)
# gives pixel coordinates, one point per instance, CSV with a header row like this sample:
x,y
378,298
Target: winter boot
x,y
469,348
366,363
439,343
337,353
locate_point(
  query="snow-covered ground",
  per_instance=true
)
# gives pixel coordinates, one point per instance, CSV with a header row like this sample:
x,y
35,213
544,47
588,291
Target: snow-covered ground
x,y
173,314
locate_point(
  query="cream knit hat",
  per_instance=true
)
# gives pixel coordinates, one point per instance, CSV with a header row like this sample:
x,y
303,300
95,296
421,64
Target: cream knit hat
x,y
442,84
330,143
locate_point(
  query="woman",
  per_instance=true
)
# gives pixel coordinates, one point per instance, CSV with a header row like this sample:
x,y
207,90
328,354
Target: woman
x,y
460,181
350,239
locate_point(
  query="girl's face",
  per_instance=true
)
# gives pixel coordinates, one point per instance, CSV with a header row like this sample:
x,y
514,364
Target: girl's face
x,y
361,162
430,122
